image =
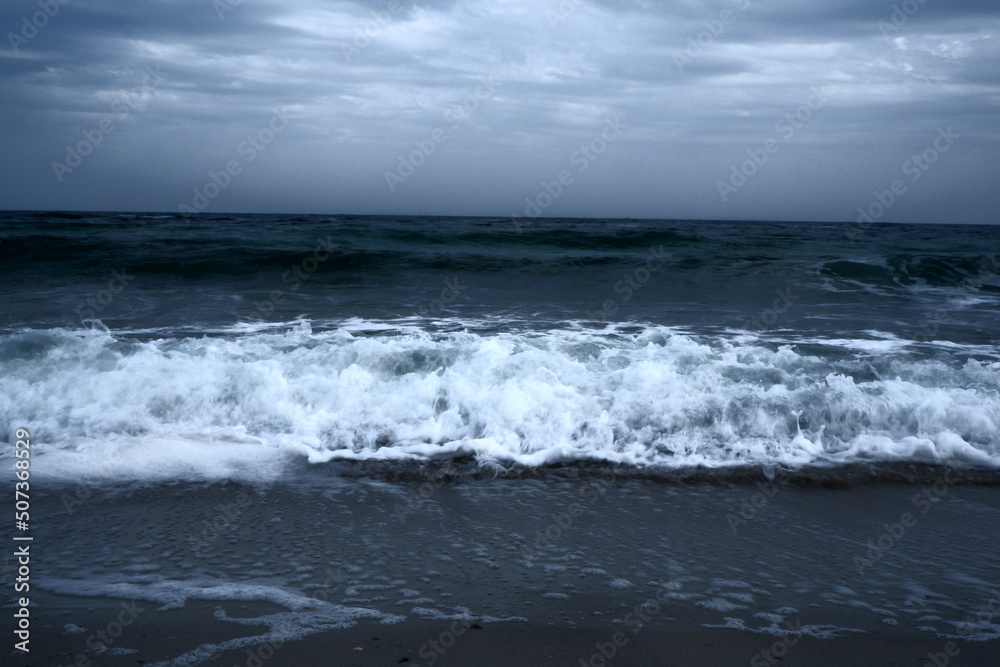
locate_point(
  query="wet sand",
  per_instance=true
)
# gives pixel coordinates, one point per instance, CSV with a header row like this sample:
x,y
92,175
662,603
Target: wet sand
x,y
514,572
368,644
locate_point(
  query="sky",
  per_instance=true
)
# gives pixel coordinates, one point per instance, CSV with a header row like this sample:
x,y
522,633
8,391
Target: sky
x,y
828,110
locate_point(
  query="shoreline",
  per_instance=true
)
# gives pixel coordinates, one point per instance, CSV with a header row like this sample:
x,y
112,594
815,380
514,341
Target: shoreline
x,y
815,476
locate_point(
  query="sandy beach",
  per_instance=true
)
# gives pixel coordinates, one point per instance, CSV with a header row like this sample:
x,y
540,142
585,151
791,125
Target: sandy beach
x,y
499,572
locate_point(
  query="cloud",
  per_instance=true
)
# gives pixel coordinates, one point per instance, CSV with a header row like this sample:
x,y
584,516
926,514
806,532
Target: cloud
x,y
362,83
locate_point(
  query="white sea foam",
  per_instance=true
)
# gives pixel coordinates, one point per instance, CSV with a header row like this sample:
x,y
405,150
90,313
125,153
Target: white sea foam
x,y
720,604
817,631
246,405
282,627
173,594
307,615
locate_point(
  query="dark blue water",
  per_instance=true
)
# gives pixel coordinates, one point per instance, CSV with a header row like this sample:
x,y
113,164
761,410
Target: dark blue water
x,y
181,273
646,343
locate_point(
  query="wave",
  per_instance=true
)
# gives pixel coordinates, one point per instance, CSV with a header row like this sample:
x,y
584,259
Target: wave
x,y
909,270
650,398
55,244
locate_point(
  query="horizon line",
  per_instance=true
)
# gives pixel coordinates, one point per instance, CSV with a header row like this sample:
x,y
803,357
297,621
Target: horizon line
x,y
200,214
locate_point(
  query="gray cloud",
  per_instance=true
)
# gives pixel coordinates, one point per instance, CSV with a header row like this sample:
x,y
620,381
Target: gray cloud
x,y
363,83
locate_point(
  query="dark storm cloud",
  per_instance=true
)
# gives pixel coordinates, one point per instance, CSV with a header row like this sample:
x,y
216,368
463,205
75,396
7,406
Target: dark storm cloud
x,y
514,90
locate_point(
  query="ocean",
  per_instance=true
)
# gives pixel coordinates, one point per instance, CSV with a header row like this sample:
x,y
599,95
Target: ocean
x,y
261,340
291,426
